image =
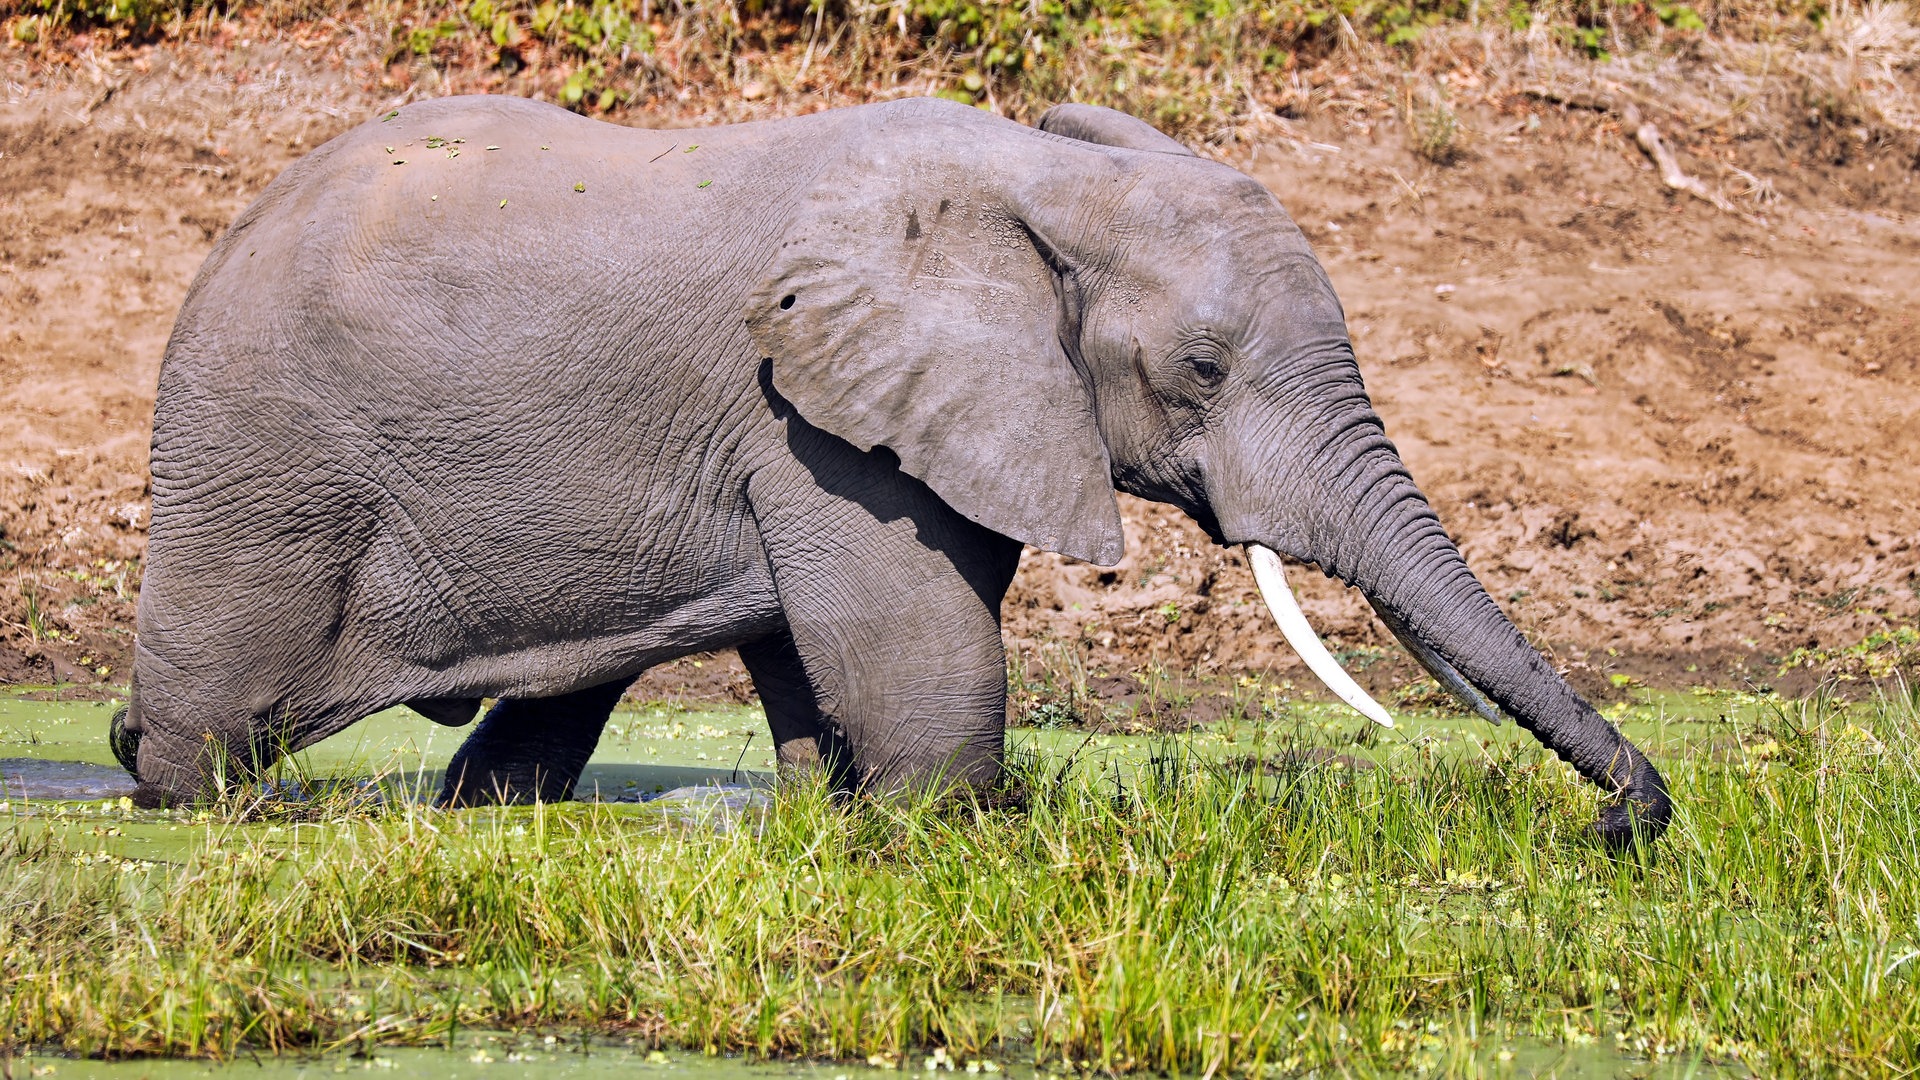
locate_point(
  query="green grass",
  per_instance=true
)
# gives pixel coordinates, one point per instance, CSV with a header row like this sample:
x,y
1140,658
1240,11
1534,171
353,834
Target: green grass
x,y
1184,914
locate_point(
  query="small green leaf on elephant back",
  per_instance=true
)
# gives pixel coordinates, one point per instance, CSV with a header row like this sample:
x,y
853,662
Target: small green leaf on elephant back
x,y
390,116
703,183
580,186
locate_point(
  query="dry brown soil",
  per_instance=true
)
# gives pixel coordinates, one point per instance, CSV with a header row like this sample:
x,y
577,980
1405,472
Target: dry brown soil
x,y
1676,443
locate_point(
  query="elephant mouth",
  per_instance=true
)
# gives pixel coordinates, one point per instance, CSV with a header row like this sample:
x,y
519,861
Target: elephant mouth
x,y
1204,517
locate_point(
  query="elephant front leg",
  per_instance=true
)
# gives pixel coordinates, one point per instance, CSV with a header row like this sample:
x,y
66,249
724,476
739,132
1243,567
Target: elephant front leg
x,y
805,739
530,749
892,603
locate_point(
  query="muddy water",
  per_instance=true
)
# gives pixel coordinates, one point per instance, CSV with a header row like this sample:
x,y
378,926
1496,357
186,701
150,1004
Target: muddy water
x,y
39,778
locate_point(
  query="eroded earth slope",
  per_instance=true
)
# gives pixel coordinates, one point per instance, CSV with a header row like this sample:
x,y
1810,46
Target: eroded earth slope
x,y
1680,443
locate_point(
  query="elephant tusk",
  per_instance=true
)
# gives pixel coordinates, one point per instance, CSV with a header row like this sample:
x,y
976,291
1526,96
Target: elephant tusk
x,y
1293,626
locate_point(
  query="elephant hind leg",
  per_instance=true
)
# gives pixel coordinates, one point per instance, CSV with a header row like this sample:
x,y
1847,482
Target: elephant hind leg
x,y
530,749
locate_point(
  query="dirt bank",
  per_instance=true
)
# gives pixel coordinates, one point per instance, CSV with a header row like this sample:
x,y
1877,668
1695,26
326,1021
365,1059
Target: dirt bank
x,y
1678,442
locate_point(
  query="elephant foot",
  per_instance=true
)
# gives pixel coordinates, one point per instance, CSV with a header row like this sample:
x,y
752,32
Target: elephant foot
x,y
530,749
471,783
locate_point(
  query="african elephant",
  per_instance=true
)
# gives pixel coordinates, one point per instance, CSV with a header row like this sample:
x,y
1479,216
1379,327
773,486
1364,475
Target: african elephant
x,y
487,399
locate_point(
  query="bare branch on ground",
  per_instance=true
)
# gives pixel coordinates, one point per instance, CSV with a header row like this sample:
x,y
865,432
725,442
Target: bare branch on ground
x,y
1648,138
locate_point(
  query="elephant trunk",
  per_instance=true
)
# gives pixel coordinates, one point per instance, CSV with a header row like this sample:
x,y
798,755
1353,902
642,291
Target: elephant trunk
x,y
167,770
1391,546
125,742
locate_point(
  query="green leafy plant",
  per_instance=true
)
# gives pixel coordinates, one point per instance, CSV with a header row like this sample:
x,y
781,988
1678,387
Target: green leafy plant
x,y
136,16
36,624
1413,911
1880,655
1678,16
1588,39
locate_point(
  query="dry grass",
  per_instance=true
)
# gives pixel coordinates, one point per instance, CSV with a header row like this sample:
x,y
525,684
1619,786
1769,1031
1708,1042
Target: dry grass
x,y
1853,75
1433,128
1213,71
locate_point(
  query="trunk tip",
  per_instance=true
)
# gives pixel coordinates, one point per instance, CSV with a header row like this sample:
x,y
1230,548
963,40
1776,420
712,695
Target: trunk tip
x,y
1641,815
124,741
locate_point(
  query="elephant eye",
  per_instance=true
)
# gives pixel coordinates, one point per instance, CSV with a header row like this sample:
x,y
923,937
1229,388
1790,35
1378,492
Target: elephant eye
x,y
1206,369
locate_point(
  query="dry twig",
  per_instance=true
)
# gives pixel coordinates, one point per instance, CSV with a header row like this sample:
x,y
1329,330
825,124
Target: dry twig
x,y
1648,136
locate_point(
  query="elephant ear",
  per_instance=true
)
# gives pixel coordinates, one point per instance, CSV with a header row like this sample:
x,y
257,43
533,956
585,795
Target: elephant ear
x,y
913,305
1108,127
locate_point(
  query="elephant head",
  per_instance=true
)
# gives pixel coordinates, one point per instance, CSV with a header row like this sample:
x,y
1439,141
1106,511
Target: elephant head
x,y
1031,319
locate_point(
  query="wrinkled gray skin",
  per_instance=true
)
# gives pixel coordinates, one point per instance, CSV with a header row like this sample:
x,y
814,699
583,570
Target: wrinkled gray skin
x,y
524,422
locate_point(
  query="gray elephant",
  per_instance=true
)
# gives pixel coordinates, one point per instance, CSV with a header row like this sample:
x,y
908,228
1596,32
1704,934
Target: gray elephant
x,y
486,399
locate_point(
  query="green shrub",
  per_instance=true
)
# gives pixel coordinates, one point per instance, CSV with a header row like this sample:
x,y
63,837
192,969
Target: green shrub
x,y
134,16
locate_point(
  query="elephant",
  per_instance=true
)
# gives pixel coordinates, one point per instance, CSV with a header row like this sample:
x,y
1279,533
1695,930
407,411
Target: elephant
x,y
487,399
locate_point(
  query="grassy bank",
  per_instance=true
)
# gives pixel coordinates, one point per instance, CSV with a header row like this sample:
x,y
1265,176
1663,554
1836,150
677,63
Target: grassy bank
x,y
1194,915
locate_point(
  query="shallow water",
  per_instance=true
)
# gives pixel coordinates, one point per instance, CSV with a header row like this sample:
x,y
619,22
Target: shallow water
x,y
57,750
707,768
645,752
471,1055
475,1055
58,774
41,778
